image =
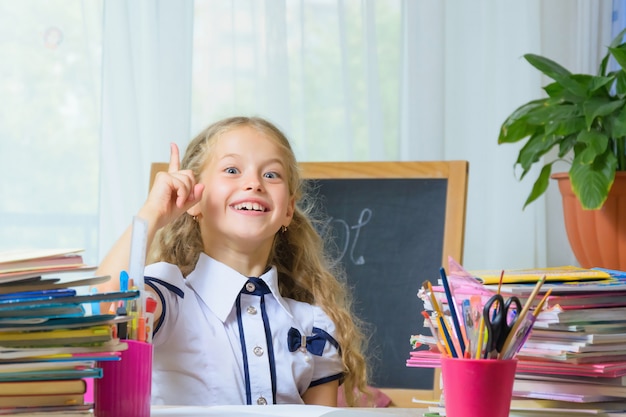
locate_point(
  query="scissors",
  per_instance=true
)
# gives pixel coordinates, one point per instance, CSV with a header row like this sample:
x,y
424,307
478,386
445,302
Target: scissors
x,y
499,320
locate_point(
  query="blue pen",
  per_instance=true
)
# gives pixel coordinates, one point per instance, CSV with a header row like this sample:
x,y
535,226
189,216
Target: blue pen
x,y
123,281
455,318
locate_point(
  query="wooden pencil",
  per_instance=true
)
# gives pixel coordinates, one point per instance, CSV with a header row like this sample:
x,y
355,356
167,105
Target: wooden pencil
x,y
521,316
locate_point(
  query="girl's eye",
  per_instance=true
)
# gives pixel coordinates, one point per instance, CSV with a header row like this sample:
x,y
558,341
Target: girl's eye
x,y
231,170
271,175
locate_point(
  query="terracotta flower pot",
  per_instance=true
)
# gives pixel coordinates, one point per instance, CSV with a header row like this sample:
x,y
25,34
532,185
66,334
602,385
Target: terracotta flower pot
x,y
597,237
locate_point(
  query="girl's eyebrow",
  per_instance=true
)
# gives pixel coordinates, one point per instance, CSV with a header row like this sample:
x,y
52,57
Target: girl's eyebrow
x,y
268,162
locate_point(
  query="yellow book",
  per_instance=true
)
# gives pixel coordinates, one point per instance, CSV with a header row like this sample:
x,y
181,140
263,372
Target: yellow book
x,y
103,330
553,274
50,400
67,386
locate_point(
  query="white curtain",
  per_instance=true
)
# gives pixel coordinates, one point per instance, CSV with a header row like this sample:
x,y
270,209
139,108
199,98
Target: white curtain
x,y
145,101
348,80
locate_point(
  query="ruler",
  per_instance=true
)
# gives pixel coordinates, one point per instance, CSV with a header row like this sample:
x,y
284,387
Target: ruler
x,y
137,262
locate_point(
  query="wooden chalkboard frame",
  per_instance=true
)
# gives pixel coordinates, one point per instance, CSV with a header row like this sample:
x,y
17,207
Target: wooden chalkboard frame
x,y
456,175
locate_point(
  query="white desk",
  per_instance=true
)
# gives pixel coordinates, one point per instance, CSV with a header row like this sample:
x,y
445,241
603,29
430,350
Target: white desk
x,y
281,411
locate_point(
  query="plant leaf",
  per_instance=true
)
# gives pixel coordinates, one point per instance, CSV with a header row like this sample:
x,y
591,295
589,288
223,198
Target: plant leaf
x,y
535,148
566,144
552,112
559,93
619,53
619,124
547,66
595,83
617,40
598,107
620,84
591,182
567,126
596,142
557,73
516,126
541,184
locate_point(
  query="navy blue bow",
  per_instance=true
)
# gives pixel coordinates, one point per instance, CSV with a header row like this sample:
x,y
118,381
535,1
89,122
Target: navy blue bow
x,y
314,344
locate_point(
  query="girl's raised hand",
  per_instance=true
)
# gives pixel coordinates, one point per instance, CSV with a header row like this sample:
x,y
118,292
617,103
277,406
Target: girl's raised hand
x,y
172,193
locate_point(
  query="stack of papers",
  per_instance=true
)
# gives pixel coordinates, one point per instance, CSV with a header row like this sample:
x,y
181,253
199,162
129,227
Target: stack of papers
x,y
576,351
48,342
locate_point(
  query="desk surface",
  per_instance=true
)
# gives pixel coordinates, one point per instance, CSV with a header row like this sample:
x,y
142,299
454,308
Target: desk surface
x,y
282,411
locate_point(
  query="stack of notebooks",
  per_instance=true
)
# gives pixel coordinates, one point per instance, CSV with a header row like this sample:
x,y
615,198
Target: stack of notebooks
x,y
574,361
49,344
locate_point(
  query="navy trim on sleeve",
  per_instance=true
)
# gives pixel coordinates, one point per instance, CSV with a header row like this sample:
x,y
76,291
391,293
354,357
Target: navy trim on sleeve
x,y
327,379
167,285
151,282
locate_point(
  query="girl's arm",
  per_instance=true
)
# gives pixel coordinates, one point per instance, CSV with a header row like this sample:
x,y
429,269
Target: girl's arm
x,y
324,394
172,194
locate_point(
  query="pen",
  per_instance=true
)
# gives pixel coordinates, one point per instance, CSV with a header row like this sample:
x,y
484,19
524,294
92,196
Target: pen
x,y
124,282
132,311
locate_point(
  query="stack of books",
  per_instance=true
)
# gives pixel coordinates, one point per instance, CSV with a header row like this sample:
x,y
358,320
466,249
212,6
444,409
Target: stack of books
x,y
574,359
49,343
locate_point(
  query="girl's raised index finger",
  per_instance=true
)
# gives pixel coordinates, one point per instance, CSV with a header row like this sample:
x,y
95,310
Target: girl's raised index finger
x,y
174,159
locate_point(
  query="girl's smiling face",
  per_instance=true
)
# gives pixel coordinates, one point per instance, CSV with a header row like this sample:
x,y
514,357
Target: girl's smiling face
x,y
246,198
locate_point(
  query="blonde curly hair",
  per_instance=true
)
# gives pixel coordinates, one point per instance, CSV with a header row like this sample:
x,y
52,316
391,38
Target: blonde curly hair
x,y
305,271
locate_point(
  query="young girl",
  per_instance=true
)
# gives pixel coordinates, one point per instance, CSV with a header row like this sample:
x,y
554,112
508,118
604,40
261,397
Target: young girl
x,y
249,309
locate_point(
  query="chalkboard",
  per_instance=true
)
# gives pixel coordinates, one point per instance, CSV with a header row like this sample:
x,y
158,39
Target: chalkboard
x,y
393,225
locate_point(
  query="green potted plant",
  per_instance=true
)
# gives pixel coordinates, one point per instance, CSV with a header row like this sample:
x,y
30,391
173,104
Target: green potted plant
x,y
584,118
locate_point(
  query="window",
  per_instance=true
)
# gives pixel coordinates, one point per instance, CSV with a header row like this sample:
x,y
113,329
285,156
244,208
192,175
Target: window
x,y
50,123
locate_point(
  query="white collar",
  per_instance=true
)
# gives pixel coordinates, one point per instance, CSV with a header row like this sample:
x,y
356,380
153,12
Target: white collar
x,y
218,285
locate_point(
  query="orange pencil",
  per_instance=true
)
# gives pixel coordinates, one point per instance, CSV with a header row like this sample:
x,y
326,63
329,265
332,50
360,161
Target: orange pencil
x,y
500,284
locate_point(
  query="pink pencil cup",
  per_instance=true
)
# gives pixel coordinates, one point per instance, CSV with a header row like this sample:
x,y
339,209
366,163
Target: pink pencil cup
x,y
477,387
125,386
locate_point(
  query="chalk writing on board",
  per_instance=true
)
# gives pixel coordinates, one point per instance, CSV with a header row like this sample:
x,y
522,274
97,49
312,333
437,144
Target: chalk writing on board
x,y
364,218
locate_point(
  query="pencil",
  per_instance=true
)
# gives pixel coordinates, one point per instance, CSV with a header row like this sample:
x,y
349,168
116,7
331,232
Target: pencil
x,y
427,285
481,332
537,310
500,284
521,316
446,332
451,305
436,335
451,339
523,332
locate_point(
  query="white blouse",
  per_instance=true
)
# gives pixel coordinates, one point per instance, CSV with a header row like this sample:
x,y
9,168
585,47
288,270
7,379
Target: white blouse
x,y
227,339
